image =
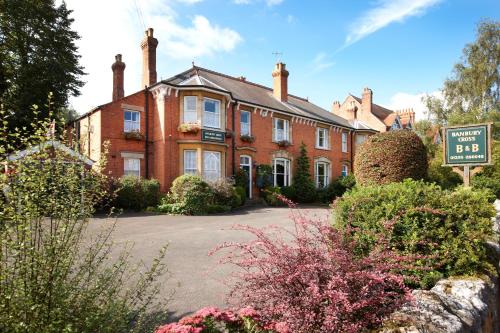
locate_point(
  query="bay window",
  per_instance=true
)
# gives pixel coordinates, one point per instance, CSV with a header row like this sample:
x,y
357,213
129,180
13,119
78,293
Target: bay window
x,y
190,113
211,113
190,162
211,165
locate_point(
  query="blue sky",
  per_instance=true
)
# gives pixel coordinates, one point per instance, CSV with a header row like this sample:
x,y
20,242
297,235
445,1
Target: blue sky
x,y
400,48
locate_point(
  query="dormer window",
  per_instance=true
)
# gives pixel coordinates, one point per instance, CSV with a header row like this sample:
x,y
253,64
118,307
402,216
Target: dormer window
x,y
211,113
132,121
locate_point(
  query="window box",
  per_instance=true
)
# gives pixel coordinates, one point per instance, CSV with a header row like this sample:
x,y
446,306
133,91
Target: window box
x,y
284,143
189,128
133,135
247,138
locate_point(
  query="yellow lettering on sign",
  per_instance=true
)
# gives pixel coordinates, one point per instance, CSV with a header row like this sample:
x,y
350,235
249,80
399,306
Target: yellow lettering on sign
x,y
460,148
475,148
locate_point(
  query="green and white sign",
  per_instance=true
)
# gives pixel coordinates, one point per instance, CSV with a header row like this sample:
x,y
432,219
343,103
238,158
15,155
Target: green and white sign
x,y
214,136
467,145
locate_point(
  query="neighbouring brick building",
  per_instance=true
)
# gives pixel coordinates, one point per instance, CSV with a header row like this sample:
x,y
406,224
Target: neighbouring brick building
x,y
208,123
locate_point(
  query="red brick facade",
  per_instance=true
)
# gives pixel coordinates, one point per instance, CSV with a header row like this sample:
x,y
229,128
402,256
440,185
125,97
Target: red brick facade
x,y
159,145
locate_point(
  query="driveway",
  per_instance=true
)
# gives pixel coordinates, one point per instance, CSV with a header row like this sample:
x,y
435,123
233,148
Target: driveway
x,y
198,279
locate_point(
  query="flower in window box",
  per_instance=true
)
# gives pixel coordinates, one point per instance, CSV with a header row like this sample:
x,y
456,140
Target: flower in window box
x,y
133,135
229,134
284,143
247,138
189,128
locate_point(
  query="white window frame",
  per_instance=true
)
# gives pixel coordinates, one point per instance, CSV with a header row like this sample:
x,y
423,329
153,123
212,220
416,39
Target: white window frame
x,y
326,176
344,142
133,172
345,170
130,125
216,115
249,164
217,170
287,173
190,116
325,138
286,130
191,170
249,123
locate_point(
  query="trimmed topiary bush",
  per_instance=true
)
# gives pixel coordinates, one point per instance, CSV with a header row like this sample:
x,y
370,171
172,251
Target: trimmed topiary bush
x,y
449,229
189,195
390,157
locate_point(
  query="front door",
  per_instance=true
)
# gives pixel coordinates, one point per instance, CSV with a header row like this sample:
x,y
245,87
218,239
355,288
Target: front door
x,y
246,164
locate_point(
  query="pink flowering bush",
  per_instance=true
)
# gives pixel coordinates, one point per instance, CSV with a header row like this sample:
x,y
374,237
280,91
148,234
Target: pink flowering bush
x,y
307,278
214,320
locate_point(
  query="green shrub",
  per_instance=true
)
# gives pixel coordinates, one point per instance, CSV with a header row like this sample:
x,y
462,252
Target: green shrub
x,y
189,195
451,228
137,193
303,185
442,175
217,209
289,192
336,189
241,178
242,193
264,178
225,193
271,196
390,157
482,181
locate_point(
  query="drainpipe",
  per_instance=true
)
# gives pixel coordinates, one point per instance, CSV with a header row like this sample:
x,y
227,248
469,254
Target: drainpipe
x,y
352,151
146,148
233,140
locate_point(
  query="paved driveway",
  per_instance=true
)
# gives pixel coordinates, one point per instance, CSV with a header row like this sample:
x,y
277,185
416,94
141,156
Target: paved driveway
x,y
196,277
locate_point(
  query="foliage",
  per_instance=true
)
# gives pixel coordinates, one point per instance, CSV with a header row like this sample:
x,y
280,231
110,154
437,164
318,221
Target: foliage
x,y
133,135
272,196
247,138
38,56
335,189
482,181
284,143
264,176
214,320
137,193
225,193
390,157
56,274
241,178
242,193
189,195
189,127
443,176
217,208
450,228
472,94
427,131
305,191
289,192
309,279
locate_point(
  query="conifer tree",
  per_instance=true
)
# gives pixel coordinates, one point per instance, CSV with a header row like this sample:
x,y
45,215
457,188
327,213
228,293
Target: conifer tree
x,y
38,56
303,184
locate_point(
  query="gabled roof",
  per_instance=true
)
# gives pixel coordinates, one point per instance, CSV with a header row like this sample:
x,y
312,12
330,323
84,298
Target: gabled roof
x,y
253,93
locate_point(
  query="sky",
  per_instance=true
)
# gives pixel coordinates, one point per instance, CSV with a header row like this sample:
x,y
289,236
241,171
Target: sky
x,y
401,49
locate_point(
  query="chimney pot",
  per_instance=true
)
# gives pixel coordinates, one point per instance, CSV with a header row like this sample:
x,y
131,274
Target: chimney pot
x,y
280,83
118,69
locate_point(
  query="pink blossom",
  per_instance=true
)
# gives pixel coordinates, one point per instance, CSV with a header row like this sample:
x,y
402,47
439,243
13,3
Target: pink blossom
x,y
178,328
248,312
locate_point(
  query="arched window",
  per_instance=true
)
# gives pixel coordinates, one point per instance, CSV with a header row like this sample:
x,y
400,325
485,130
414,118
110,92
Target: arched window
x,y
281,172
211,165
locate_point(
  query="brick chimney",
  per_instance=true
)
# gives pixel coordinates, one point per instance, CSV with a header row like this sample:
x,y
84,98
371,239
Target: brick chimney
x,y
335,107
367,100
118,68
280,84
148,46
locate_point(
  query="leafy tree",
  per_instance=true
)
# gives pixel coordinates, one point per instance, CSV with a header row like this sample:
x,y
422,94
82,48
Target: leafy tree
x,y
471,94
56,273
303,184
38,56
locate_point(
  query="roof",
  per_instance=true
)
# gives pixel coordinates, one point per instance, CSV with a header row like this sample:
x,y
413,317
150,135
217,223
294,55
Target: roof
x,y
253,93
385,115
49,144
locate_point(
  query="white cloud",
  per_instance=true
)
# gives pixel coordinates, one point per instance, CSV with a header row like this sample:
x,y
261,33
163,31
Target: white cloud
x,y
385,13
190,2
113,26
403,100
321,62
290,18
270,3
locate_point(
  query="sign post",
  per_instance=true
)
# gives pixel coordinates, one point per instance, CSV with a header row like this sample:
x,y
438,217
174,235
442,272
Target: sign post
x,y
468,147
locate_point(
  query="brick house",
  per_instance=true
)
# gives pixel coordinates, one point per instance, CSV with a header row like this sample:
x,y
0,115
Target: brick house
x,y
369,118
208,123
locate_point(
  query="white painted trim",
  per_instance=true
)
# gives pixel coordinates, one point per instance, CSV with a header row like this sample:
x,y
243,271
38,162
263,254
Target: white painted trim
x,y
128,154
250,179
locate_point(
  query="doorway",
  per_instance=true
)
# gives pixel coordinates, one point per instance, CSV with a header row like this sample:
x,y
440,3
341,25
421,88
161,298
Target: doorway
x,y
246,164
